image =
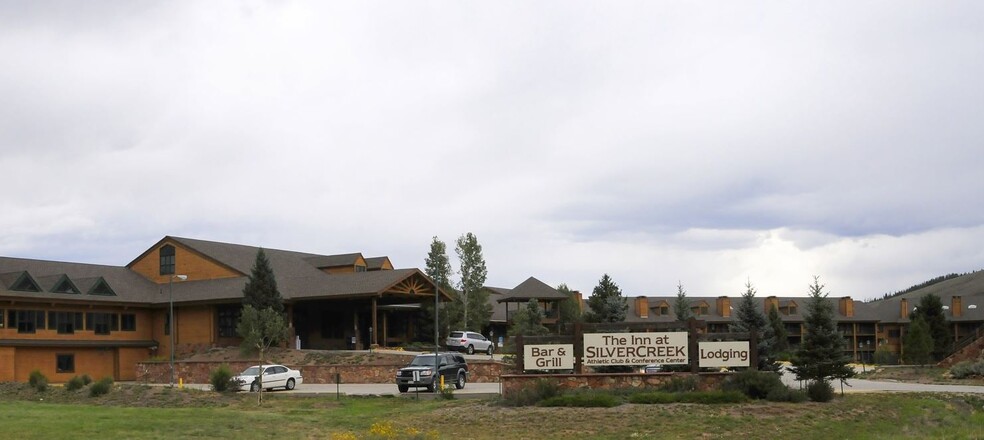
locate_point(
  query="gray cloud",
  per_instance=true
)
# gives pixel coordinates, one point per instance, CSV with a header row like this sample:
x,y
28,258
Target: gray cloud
x,y
654,141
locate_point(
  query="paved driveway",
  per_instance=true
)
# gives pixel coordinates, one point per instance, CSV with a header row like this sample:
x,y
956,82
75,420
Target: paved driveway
x,y
872,386
472,389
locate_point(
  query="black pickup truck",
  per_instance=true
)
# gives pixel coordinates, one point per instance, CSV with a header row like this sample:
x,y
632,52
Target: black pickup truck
x,y
452,367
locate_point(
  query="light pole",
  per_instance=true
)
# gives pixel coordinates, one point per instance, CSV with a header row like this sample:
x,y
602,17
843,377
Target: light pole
x,y
170,316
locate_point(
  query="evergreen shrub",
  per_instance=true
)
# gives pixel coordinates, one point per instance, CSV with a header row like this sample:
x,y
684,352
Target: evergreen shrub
x,y
754,384
222,380
820,391
583,400
967,369
37,380
101,387
73,384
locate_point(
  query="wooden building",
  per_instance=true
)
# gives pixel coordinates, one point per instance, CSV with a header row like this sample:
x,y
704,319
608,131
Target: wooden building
x,y
68,319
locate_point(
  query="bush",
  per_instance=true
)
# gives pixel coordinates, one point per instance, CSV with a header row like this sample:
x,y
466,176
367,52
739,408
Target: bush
x,y
680,384
101,387
531,394
711,397
73,384
583,400
820,391
37,380
701,397
967,369
446,393
86,380
658,397
754,384
885,357
785,394
223,380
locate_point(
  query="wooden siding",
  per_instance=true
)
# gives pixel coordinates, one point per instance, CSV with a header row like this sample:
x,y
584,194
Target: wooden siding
x,y
144,318
186,262
7,355
96,362
195,326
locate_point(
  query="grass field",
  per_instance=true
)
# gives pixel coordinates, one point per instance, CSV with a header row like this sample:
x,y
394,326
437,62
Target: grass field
x,y
156,414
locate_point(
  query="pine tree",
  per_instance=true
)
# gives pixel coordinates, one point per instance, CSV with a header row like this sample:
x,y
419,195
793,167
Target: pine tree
x,y
606,302
930,308
528,321
749,319
438,268
474,299
569,311
261,289
918,343
778,331
681,307
821,355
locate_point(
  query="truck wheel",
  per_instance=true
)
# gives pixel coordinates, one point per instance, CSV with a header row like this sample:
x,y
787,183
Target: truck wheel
x,y
403,388
460,383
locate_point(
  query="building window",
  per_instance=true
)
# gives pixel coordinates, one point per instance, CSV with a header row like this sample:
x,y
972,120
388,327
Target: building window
x,y
167,260
128,322
1,318
65,363
102,323
26,321
662,310
65,322
167,323
228,318
360,268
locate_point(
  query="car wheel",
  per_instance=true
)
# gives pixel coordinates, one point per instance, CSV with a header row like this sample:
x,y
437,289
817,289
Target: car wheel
x,y
488,351
254,387
430,386
290,384
403,388
460,383
471,349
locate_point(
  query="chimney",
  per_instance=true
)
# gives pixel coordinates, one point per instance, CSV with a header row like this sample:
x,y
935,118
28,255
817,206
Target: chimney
x,y
956,307
724,306
771,302
904,310
847,307
642,307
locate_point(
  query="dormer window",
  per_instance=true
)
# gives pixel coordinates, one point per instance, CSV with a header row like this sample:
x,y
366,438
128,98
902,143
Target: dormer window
x,y
360,268
25,283
65,286
102,288
167,260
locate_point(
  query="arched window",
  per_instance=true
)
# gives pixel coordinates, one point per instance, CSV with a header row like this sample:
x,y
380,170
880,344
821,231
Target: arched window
x,y
167,260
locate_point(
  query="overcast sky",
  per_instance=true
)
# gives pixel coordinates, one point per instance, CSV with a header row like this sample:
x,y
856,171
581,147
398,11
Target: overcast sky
x,y
707,143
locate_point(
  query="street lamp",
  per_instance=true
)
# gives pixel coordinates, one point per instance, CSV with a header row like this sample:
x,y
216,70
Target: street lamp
x,y
170,316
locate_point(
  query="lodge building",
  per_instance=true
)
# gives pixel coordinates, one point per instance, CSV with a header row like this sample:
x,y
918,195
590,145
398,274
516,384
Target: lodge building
x,y
66,319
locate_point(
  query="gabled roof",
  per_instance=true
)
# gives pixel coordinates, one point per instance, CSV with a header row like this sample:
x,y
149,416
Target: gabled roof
x,y
532,288
129,286
377,263
323,261
21,281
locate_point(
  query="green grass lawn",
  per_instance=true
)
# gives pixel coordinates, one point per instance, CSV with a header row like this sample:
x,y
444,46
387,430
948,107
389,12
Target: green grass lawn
x,y
203,415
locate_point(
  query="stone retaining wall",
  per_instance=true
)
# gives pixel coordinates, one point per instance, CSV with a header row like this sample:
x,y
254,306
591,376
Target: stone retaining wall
x,y
198,372
512,383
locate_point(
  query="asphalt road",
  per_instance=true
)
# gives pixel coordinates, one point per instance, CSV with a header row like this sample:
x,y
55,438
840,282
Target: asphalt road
x,y
471,389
